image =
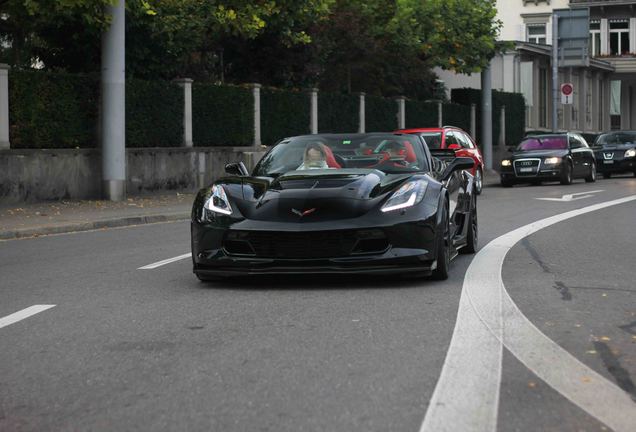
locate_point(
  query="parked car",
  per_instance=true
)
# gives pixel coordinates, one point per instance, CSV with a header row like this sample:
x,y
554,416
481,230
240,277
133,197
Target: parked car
x,y
615,153
355,203
454,138
549,157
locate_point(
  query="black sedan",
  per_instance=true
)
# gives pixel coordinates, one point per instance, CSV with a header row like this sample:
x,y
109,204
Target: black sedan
x,y
358,203
615,153
550,157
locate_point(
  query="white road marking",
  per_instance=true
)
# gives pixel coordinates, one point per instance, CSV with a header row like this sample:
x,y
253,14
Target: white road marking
x,y
24,313
164,262
572,197
467,394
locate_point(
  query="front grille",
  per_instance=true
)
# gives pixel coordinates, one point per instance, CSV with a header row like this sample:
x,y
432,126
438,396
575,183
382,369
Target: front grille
x,y
305,245
527,167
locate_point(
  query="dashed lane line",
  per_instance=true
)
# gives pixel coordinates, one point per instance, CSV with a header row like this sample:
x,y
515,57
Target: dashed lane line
x,y
164,262
24,313
466,396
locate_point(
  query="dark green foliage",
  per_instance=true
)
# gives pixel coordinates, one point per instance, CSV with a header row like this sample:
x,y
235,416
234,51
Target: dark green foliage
x,y
154,114
456,115
222,115
421,114
52,110
338,113
380,114
284,113
515,112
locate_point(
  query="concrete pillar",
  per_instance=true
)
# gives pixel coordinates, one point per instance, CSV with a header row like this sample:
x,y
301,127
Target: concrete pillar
x,y
201,170
401,113
632,34
114,105
604,37
362,126
502,127
4,106
256,92
486,116
473,121
313,117
440,114
186,84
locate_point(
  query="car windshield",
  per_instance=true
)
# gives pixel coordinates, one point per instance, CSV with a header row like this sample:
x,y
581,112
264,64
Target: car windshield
x,y
385,152
544,143
433,139
616,138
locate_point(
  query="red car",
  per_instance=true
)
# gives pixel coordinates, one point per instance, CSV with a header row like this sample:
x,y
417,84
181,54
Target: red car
x,y
453,138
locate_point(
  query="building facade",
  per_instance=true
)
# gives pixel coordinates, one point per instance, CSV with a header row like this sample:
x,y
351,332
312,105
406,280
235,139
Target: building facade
x,y
603,91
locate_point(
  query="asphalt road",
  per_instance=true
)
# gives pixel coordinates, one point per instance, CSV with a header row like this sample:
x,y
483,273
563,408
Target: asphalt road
x,y
129,349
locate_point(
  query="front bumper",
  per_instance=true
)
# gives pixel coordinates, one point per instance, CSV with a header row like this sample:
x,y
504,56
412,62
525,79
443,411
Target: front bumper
x,y
615,165
551,173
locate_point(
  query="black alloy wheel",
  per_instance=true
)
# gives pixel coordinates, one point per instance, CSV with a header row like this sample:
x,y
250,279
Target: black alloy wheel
x,y
506,183
443,248
473,231
566,174
591,178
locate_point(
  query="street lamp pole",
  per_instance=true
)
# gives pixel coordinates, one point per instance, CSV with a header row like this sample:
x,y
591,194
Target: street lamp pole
x,y
114,105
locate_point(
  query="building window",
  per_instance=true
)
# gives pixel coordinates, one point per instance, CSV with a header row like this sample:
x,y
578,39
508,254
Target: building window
x,y
619,37
595,38
536,33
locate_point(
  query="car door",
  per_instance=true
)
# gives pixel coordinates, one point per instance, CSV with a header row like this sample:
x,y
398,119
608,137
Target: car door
x,y
578,156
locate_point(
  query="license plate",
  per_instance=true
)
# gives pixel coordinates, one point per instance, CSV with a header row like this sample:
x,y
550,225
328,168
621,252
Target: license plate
x,y
608,162
526,169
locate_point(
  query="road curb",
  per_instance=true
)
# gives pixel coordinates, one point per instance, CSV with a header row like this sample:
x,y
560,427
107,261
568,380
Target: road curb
x,y
94,225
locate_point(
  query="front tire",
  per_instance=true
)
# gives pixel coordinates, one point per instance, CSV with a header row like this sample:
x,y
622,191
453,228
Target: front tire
x,y
472,231
479,181
591,178
443,249
566,175
608,175
506,183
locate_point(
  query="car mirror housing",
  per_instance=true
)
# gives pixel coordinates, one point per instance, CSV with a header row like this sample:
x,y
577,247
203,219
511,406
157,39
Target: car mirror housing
x,y
236,168
457,164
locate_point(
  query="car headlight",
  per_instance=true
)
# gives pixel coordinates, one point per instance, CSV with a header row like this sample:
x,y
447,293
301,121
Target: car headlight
x,y
630,153
506,162
218,202
409,194
552,160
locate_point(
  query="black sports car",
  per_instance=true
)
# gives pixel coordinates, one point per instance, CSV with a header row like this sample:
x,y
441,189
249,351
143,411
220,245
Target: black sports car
x,y
550,157
615,153
356,203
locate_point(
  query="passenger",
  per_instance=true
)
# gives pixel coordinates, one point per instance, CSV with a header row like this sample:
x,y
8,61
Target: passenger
x,y
394,149
314,157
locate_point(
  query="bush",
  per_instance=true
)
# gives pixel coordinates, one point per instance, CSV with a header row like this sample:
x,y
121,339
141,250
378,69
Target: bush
x,y
52,110
421,114
456,115
154,114
222,115
380,114
338,113
284,113
515,112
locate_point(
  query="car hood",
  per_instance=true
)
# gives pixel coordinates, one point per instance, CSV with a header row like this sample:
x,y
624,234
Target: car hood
x,y
619,147
316,195
539,154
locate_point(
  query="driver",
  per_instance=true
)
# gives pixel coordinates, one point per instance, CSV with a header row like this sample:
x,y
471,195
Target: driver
x,y
314,157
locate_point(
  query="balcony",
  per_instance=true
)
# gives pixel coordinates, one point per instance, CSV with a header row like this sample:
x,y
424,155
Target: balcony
x,y
600,2
625,64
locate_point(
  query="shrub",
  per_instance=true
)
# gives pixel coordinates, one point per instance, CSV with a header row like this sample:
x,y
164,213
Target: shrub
x,y
284,113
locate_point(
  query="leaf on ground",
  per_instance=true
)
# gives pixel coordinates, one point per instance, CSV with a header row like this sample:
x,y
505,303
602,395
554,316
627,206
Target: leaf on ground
x,y
586,379
590,352
532,384
605,338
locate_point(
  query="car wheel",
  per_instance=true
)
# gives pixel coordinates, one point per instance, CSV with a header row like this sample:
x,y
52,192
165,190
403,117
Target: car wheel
x,y
506,183
566,175
443,249
472,231
592,177
608,175
634,173
479,181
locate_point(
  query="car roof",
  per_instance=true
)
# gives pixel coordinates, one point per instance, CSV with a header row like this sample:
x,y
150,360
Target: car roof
x,y
348,135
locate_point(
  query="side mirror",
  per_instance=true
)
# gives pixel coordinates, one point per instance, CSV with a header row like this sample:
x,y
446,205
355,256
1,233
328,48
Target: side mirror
x,y
237,169
454,147
457,164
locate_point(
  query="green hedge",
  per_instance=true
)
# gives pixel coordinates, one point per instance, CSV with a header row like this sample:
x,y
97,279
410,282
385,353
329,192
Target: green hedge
x,y
52,110
380,114
515,112
154,114
222,115
284,113
338,113
420,114
456,115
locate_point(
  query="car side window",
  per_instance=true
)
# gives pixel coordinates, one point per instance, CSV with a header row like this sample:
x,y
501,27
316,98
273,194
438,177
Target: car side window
x,y
450,139
465,140
574,143
583,142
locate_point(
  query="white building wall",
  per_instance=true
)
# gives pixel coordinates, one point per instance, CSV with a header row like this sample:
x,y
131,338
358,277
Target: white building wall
x,y
511,14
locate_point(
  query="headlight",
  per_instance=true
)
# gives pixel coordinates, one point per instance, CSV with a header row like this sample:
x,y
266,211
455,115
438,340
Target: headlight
x,y
218,202
630,153
409,194
506,162
552,160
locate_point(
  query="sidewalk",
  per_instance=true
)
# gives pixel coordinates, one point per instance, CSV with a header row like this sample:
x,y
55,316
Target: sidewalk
x,y
32,220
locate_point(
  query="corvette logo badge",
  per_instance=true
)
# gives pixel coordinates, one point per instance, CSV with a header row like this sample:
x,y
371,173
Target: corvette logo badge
x,y
303,213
